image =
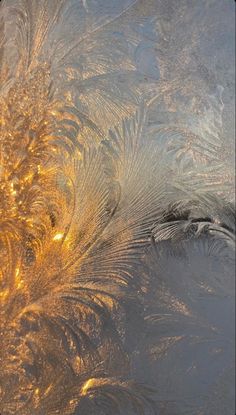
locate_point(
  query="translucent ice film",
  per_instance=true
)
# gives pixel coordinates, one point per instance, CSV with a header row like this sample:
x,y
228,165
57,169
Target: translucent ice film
x,y
117,207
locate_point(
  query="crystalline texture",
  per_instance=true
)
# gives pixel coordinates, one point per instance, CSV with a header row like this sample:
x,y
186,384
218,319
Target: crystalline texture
x,y
116,207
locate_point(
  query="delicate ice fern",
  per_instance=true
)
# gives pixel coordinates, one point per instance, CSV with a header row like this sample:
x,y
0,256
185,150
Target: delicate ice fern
x,y
115,184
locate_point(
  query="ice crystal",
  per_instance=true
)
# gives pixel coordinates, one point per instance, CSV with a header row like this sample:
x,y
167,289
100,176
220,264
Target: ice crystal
x,y
116,207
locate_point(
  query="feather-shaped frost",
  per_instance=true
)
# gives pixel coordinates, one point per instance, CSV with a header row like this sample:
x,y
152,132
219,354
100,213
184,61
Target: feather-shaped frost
x,y
116,207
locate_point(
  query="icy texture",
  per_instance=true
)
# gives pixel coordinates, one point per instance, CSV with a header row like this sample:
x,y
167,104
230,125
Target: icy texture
x,y
116,207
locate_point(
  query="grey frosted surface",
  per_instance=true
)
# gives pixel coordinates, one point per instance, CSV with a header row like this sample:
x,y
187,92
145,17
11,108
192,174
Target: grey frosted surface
x,y
117,250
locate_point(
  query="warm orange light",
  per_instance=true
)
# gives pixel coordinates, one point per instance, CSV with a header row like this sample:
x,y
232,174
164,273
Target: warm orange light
x,y
58,237
18,280
87,386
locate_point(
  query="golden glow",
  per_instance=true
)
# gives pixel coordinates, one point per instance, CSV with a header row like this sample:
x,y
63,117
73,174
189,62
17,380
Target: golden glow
x,y
4,294
13,192
18,280
58,236
36,392
29,177
87,386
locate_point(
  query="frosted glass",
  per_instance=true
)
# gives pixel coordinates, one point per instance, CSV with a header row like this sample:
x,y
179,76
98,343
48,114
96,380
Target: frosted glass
x,y
117,207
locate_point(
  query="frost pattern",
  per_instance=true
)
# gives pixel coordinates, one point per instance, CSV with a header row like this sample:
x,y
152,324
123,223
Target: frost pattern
x,y
116,208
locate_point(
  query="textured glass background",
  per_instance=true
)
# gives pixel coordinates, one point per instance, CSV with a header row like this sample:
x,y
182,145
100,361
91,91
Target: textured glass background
x,y
117,207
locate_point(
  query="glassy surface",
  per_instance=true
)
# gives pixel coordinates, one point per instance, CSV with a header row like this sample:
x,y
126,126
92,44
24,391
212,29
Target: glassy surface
x,y
117,207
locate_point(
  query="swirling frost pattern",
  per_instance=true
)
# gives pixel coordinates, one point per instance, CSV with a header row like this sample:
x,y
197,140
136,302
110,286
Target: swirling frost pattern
x,y
116,207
